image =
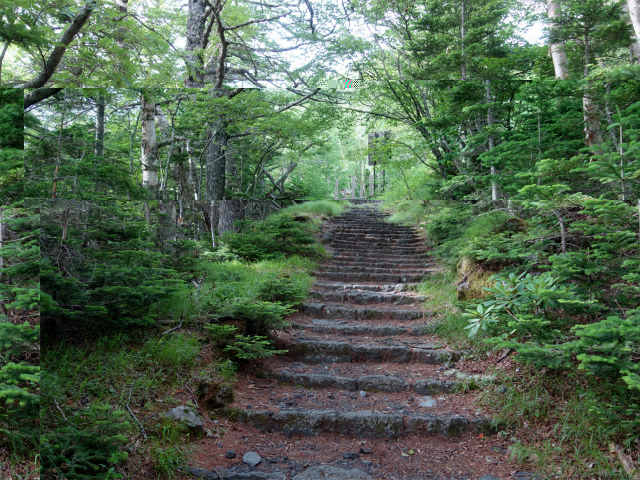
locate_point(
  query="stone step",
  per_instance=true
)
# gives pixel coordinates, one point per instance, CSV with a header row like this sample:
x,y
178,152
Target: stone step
x,y
344,311
342,327
365,298
374,269
381,249
371,287
373,228
368,244
328,351
359,424
371,277
339,233
367,383
385,264
365,256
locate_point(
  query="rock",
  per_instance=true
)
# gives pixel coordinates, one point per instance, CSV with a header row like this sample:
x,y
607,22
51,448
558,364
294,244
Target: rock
x,y
502,389
426,402
230,454
382,383
187,416
226,474
365,424
488,477
472,277
313,309
350,455
363,393
202,473
526,476
329,472
251,458
311,380
366,450
431,386
214,394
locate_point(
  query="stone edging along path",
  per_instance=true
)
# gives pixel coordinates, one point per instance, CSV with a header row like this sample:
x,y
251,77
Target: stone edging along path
x,y
364,392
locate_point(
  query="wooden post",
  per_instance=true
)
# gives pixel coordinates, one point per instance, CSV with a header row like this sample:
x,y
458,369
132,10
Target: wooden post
x,y
335,192
362,190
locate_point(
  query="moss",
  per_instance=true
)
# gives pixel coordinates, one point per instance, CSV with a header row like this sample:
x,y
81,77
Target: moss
x,y
472,277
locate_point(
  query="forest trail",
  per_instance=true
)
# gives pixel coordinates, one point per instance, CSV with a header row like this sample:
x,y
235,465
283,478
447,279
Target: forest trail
x,y
365,391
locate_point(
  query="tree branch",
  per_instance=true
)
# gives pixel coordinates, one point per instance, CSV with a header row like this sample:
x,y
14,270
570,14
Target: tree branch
x,y
61,46
256,21
38,95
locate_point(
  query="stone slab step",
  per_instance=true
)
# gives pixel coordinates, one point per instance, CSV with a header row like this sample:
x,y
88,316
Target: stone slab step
x,y
382,264
361,424
375,383
346,328
327,351
366,240
374,269
321,310
364,298
372,287
384,248
372,277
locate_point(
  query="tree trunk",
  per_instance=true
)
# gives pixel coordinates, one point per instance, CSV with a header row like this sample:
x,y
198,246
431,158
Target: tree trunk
x,y
634,14
494,184
149,144
592,134
99,147
462,38
228,214
558,55
196,28
215,160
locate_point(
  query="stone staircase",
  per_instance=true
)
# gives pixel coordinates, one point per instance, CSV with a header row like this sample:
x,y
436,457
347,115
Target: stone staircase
x,y
362,367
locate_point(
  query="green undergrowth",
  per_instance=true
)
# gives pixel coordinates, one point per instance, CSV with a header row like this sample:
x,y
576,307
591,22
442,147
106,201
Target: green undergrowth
x,y
315,209
561,425
105,392
93,387
289,232
570,321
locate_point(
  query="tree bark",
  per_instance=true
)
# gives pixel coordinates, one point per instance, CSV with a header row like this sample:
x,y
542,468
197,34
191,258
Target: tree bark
x,y
149,144
99,147
558,54
227,215
196,31
62,44
38,95
215,160
494,184
634,14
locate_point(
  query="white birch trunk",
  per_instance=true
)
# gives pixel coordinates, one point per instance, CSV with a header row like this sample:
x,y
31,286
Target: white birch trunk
x,y
149,144
558,55
634,15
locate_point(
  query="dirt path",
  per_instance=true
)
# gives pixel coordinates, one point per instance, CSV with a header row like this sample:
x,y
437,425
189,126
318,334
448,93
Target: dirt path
x,y
364,392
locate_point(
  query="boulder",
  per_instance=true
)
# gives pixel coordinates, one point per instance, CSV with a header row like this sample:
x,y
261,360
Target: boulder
x,y
187,416
472,276
214,394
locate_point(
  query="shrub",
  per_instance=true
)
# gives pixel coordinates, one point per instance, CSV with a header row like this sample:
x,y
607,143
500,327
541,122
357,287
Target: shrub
x,y
91,442
277,237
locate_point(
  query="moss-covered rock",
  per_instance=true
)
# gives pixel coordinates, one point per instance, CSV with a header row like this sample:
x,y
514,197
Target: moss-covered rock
x,y
472,276
214,394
